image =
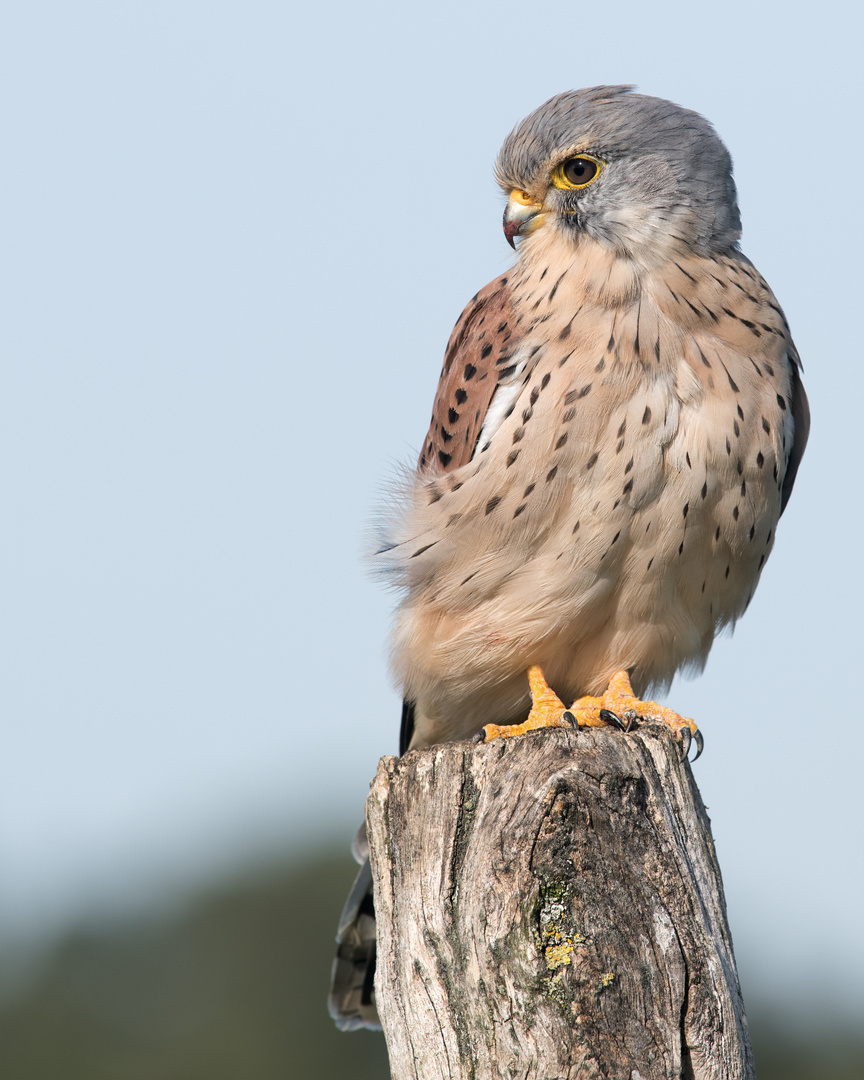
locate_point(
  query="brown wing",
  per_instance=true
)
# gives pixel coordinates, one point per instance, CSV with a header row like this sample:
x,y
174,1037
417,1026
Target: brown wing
x,y
481,343
801,416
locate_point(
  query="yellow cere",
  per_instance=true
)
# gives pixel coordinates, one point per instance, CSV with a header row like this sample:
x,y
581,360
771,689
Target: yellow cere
x,y
521,197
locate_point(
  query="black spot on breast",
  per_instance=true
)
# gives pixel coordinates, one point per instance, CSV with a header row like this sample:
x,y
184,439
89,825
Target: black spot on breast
x,y
727,571
446,435
527,414
781,401
740,412
704,491
646,416
743,487
461,396
435,494
502,327
736,513
493,502
717,534
576,527
528,490
628,466
452,416
575,395
571,412
601,365
535,393
681,547
551,474
628,487
650,561
686,509
760,460
484,352
470,371
761,562
620,446
591,462
623,428
420,551
445,459
518,433
752,531
687,458
561,441
766,427
511,457
736,429
544,382
519,510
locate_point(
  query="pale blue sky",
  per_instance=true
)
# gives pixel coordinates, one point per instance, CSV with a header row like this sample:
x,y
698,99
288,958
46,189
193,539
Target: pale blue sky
x,y
235,239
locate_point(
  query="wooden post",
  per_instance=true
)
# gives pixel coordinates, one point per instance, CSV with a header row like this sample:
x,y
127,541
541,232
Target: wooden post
x,y
551,907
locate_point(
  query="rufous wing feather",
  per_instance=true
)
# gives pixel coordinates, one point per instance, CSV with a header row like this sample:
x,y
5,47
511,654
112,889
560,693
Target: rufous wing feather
x,y
479,347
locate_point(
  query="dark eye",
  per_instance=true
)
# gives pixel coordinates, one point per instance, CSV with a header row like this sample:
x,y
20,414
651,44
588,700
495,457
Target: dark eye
x,y
576,172
580,170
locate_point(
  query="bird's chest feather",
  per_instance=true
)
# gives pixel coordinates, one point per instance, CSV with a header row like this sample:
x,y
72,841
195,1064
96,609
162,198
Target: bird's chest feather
x,y
626,442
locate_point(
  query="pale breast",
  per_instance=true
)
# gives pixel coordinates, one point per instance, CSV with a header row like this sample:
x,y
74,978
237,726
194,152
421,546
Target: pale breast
x,y
621,506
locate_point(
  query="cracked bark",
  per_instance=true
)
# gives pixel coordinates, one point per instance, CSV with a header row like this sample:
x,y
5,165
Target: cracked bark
x,y
549,907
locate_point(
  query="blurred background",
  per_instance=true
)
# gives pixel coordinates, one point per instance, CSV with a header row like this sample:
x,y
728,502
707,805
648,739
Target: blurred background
x,y
235,238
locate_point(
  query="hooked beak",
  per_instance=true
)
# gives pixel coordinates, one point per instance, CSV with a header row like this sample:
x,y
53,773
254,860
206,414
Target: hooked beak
x,y
521,215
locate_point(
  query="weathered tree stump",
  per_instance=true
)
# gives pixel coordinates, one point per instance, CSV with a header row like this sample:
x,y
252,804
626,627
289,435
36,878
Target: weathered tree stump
x,y
551,906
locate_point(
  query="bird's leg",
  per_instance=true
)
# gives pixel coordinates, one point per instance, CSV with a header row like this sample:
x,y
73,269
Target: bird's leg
x,y
547,710
620,706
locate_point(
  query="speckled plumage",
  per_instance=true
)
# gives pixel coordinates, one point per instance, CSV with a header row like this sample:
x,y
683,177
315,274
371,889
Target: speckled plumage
x,y
616,432
618,509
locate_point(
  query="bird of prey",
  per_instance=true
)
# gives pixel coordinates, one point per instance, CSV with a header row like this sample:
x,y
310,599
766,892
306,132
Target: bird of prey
x,y
616,432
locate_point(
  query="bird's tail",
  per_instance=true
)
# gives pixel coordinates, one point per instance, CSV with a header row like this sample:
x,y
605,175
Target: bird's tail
x,y
352,982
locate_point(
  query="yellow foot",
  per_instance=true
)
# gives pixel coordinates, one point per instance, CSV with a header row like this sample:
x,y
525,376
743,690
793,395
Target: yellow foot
x,y
547,710
620,706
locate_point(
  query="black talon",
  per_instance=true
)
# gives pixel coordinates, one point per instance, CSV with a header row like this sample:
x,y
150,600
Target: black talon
x,y
686,740
609,717
570,719
479,737
700,743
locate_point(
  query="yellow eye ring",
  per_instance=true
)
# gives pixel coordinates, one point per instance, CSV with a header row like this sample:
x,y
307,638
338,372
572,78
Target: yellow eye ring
x,y
577,172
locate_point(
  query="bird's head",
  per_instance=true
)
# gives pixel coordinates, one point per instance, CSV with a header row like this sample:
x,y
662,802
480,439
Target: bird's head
x,y
640,175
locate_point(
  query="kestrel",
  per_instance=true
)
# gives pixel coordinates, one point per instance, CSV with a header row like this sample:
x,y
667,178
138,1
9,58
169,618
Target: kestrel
x,y
616,432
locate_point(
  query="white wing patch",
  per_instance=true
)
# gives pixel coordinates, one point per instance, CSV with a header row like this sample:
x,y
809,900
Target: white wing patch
x,y
501,405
